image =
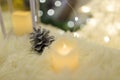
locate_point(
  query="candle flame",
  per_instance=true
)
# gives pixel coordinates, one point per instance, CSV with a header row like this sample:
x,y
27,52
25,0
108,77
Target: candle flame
x,y
64,46
64,50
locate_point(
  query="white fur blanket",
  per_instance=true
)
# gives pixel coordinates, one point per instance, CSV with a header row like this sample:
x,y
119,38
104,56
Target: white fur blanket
x,y
18,62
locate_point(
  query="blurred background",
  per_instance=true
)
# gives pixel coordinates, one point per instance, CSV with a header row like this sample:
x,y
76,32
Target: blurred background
x,y
95,20
63,14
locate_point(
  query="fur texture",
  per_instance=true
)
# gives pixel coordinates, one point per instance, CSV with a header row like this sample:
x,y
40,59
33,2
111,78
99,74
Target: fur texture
x,y
18,62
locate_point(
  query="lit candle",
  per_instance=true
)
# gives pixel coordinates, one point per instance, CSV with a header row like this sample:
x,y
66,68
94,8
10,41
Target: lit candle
x,y
64,50
22,22
64,54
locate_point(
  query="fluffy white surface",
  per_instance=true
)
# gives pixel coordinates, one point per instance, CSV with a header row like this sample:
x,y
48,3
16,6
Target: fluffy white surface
x,y
18,62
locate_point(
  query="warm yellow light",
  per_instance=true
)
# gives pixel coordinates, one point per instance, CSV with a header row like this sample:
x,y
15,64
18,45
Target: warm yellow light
x,y
64,50
64,55
76,35
110,8
85,9
107,39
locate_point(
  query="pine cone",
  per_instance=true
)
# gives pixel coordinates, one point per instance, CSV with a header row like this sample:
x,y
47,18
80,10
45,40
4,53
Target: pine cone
x,y
40,39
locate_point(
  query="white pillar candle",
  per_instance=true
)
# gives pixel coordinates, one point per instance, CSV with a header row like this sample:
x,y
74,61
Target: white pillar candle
x,y
64,54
